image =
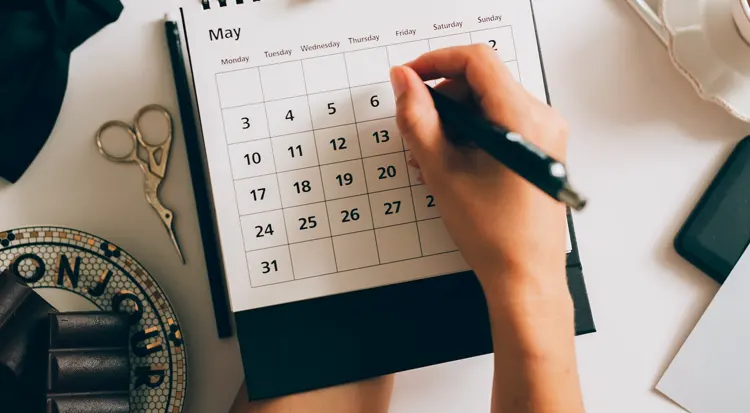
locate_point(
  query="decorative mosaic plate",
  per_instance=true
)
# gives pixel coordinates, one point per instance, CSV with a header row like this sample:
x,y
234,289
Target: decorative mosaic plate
x,y
110,279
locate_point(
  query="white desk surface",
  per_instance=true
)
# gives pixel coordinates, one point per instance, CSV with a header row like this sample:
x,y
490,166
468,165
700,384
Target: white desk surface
x,y
643,147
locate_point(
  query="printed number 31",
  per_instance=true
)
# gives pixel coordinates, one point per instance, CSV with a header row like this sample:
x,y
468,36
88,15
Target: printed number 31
x,y
268,266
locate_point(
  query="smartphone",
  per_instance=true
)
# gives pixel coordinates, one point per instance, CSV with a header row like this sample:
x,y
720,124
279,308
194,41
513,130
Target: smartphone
x,y
717,231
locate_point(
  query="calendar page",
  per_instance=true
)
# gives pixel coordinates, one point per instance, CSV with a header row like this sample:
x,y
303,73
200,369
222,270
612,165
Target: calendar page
x,y
311,180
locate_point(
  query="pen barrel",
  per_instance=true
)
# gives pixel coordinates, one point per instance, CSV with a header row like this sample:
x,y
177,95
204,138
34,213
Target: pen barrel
x,y
524,158
464,127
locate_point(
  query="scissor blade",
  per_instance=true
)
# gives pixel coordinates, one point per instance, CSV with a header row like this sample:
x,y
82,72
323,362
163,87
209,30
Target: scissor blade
x,y
176,244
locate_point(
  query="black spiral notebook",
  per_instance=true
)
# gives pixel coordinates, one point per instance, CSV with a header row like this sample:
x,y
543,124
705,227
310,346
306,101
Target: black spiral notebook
x,y
338,265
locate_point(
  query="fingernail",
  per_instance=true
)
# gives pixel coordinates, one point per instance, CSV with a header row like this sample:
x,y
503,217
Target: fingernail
x,y
398,81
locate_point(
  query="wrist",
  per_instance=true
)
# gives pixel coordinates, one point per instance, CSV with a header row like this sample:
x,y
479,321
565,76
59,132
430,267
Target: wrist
x,y
519,297
532,325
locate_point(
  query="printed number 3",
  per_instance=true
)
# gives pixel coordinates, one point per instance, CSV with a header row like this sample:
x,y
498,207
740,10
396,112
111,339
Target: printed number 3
x,y
268,265
245,123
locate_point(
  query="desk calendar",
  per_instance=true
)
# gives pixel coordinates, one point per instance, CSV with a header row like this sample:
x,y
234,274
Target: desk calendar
x,y
312,183
337,262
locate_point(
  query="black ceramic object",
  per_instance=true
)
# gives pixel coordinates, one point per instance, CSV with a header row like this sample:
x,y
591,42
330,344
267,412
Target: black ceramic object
x,y
23,316
88,364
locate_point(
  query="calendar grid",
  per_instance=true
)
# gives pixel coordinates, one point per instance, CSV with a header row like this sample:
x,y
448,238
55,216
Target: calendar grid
x,y
317,129
361,268
291,118
403,152
273,158
315,145
332,199
359,143
335,90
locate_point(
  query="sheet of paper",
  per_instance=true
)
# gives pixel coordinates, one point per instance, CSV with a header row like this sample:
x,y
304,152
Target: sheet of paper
x,y
313,190
710,372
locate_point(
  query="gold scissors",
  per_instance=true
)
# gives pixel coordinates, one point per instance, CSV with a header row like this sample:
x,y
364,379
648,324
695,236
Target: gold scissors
x,y
153,170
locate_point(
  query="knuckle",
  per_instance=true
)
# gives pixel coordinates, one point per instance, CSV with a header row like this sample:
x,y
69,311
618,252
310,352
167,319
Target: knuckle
x,y
483,52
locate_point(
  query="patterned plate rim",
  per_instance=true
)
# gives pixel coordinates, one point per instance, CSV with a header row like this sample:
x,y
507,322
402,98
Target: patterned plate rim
x,y
125,254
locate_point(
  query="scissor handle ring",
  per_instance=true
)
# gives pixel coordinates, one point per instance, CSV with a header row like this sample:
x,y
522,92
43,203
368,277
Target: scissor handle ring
x,y
153,108
130,156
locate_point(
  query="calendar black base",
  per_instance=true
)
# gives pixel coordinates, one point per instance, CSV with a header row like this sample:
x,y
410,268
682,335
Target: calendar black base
x,y
324,342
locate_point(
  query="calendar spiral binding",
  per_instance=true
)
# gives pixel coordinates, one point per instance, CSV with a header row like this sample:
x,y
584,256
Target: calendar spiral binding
x,y
222,3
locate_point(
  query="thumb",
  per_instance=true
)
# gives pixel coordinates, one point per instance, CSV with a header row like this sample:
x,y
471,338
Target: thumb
x,y
416,116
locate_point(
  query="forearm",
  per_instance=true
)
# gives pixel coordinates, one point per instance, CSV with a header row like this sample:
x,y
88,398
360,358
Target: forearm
x,y
533,334
369,396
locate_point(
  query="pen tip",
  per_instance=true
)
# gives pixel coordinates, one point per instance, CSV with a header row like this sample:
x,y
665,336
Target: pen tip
x,y
571,198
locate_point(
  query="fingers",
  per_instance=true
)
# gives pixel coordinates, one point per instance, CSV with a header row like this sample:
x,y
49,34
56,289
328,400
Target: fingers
x,y
415,113
456,89
485,73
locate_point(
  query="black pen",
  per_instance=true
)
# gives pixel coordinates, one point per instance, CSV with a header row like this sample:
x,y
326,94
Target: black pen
x,y
508,148
211,252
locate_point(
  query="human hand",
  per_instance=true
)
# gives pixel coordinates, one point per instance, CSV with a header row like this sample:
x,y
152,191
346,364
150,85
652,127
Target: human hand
x,y
509,232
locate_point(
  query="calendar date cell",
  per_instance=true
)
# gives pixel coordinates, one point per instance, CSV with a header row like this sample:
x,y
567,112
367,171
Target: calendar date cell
x,y
386,172
368,66
331,109
240,87
249,159
313,258
443,42
245,123
337,144
373,102
307,222
398,243
301,186
283,80
325,73
349,215
434,237
380,137
264,230
357,250
392,207
257,194
270,266
294,151
424,203
288,116
343,179
499,39
399,54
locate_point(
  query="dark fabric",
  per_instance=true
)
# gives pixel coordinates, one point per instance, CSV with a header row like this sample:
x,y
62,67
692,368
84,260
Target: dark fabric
x,y
36,39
